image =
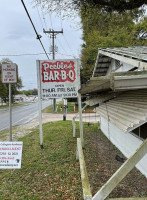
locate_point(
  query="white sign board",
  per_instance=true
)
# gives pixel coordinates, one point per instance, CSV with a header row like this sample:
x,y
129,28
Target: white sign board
x,y
58,78
10,155
9,73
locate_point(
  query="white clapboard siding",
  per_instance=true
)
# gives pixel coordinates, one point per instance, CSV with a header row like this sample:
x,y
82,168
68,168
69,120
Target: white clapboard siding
x,y
126,111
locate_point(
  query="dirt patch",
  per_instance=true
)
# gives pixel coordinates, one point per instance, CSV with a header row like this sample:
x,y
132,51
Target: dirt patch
x,y
101,164
22,130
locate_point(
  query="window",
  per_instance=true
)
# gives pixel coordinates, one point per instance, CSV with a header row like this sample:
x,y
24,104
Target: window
x,y
117,64
141,131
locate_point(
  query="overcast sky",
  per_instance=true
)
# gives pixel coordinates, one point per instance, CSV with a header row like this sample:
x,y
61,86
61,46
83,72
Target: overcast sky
x,y
18,37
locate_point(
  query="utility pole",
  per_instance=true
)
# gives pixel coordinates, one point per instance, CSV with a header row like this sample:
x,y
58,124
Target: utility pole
x,y
53,36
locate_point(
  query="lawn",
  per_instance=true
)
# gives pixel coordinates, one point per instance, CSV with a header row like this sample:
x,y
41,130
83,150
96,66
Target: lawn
x,y
52,173
70,108
101,164
49,173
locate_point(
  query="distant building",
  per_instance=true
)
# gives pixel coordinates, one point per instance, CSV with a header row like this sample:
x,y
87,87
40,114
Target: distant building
x,y
32,98
20,98
24,98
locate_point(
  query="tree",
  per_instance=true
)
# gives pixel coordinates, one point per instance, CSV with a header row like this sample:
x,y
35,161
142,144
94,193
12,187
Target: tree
x,y
35,91
115,5
141,29
73,5
4,88
105,23
29,92
104,29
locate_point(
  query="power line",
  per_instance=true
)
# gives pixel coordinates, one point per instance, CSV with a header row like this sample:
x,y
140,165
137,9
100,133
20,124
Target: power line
x,y
66,55
68,46
29,83
60,14
61,46
43,20
25,54
50,20
53,36
39,17
38,36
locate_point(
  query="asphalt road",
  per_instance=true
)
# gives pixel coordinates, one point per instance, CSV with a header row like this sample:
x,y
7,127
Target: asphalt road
x,y
20,114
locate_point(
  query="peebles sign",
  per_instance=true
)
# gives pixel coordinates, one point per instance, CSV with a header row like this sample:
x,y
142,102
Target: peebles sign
x,y
58,78
58,71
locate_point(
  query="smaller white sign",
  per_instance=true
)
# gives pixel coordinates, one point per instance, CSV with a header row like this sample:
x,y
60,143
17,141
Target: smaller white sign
x,y
9,73
10,155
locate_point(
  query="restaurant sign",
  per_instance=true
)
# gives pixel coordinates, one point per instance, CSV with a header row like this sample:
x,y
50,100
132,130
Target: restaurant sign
x,y
58,78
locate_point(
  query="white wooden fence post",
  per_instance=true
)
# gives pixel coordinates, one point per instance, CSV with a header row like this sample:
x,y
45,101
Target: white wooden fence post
x,y
74,127
73,122
84,177
80,119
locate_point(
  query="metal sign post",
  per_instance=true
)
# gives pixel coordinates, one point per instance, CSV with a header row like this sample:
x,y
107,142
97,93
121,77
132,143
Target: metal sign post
x,y
39,104
80,108
64,109
10,114
9,75
80,119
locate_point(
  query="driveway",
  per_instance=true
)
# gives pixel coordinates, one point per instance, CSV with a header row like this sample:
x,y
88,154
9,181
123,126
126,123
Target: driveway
x,y
22,130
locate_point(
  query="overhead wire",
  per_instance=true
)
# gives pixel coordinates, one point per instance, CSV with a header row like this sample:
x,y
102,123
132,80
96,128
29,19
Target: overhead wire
x,y
50,20
38,36
63,34
62,46
30,83
59,5
66,55
61,28
45,25
39,16
43,18
69,46
26,54
60,15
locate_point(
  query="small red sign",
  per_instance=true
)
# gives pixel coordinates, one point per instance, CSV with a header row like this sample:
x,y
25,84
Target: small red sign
x,y
9,73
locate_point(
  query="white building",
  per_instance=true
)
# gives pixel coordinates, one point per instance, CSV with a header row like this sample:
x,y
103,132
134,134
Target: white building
x,y
118,88
20,98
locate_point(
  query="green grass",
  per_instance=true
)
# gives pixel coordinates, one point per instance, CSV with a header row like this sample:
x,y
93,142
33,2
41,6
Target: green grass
x,y
13,105
3,134
70,108
48,173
